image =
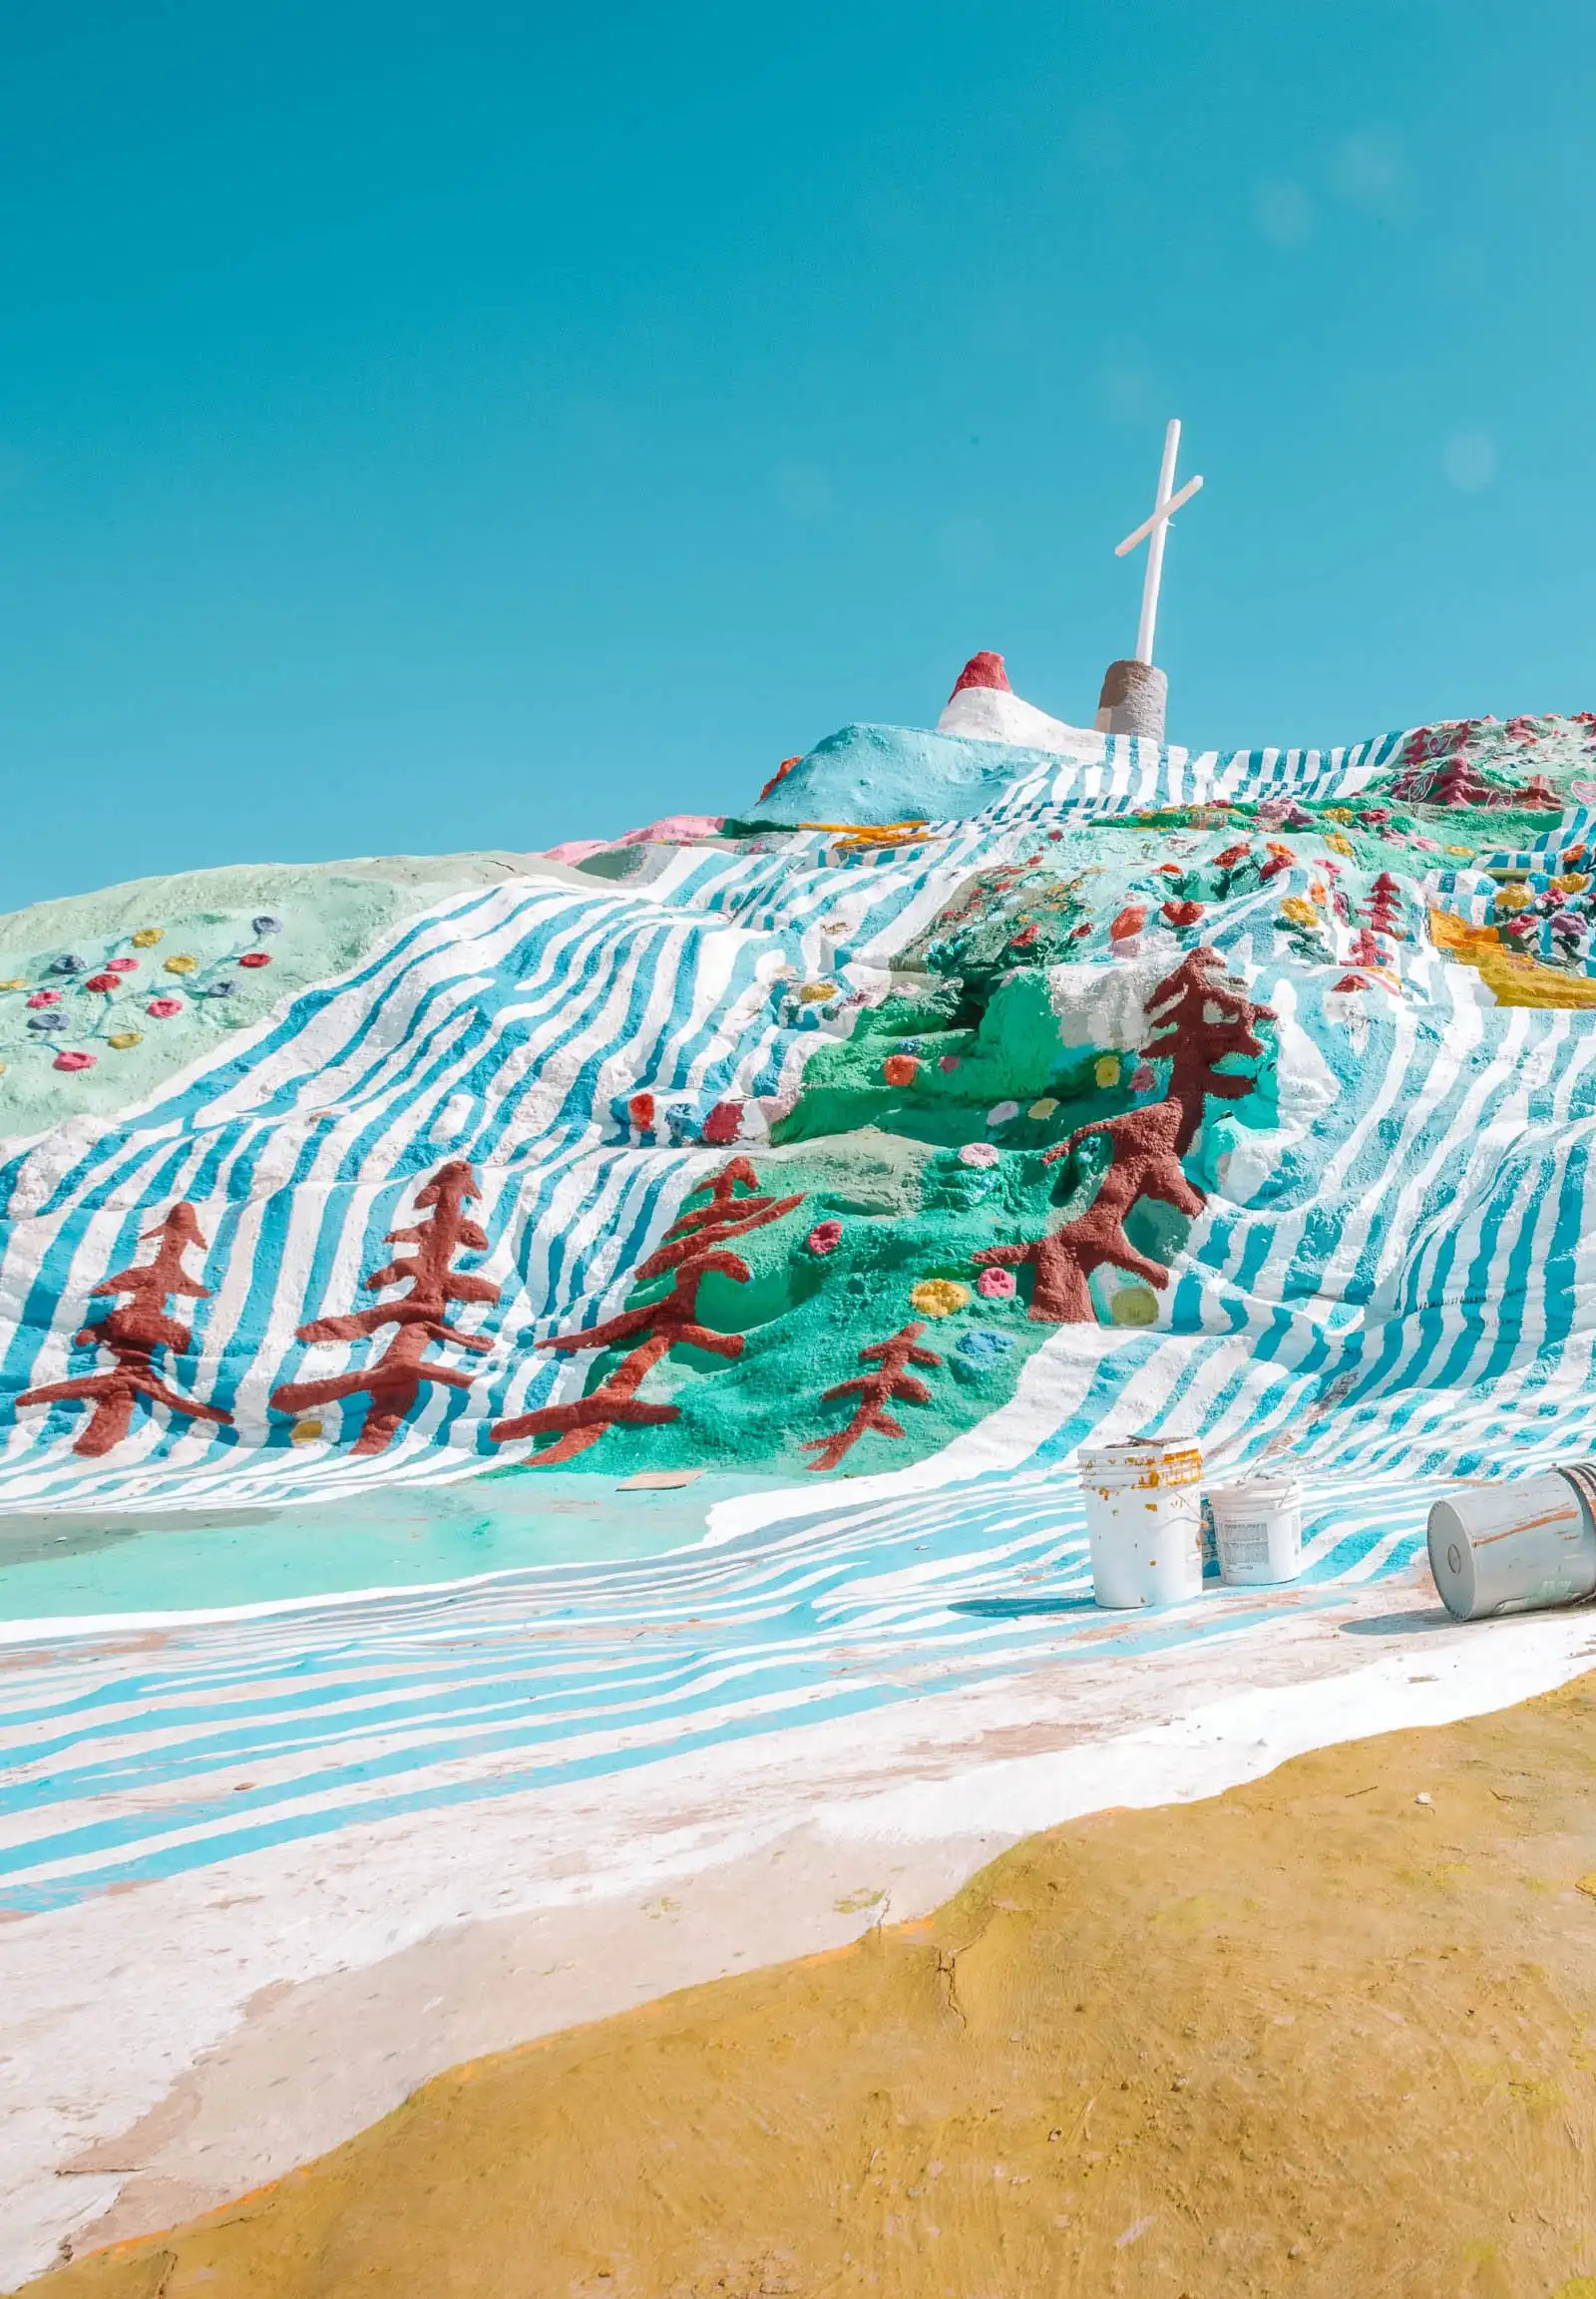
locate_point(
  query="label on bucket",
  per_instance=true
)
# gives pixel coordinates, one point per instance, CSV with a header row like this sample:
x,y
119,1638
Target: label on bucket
x,y
1246,1543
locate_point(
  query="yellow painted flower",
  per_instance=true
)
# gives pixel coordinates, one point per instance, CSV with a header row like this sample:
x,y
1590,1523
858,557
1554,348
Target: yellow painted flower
x,y
1338,814
1514,897
813,992
1106,1069
146,936
1464,851
1042,1108
123,1039
19,983
1339,845
1134,1305
939,1298
305,1432
1295,911
182,963
1571,881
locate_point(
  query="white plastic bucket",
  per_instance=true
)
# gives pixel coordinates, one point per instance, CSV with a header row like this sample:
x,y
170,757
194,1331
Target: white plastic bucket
x,y
1516,1548
1258,1530
1143,1520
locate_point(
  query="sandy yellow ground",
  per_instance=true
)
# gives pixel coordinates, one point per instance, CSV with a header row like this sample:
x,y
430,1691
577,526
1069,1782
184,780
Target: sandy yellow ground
x,y
1333,2034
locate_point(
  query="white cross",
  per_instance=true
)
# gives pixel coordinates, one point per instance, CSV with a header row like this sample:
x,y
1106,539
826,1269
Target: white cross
x,y
1157,527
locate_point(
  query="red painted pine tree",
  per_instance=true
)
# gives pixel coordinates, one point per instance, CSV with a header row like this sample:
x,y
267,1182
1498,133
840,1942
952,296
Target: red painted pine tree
x,y
694,1249
1145,1161
394,1381
1384,909
133,1336
726,1214
1200,1015
1452,782
891,1383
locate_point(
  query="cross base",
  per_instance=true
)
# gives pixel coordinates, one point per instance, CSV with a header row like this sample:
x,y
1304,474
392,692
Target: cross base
x,y
1133,700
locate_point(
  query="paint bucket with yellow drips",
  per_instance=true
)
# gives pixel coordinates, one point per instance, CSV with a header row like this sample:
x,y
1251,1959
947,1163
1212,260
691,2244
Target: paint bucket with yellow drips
x,y
1143,1521
1518,1547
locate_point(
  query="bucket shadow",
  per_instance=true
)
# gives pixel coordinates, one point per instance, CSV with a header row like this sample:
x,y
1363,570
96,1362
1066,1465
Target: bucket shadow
x,y
1020,1608
1401,1623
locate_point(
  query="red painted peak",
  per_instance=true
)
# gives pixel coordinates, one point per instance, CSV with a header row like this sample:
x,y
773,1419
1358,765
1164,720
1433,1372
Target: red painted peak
x,y
984,669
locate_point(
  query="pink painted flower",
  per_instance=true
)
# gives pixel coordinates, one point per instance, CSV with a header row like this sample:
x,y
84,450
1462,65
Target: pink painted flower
x,y
256,957
102,982
978,1153
121,965
825,1238
996,1285
163,1008
949,1062
74,1061
1141,1077
45,997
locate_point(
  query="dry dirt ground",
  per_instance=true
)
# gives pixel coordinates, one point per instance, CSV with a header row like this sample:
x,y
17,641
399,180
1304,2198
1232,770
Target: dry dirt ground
x,y
1330,2033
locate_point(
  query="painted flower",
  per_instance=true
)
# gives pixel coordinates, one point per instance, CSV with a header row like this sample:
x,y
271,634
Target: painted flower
x,y
122,1039
1231,856
640,1111
1024,938
1337,844
221,988
996,1286
65,964
19,982
1141,1077
1295,911
146,936
163,1008
900,1069
304,1432
982,1348
1044,1108
1105,1069
102,982
979,1153
266,924
45,997
1130,922
947,1064
47,1021
1000,1112
816,992
824,1238
723,1124
121,965
256,957
1509,898
182,963
1182,914
71,1060
939,1298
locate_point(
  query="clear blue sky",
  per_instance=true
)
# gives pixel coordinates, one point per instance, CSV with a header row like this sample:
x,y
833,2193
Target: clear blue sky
x,y
424,429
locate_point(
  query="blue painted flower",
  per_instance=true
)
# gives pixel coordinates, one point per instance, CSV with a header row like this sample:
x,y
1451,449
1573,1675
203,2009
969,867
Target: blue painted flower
x,y
682,1119
67,963
47,1022
223,989
266,924
983,1347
